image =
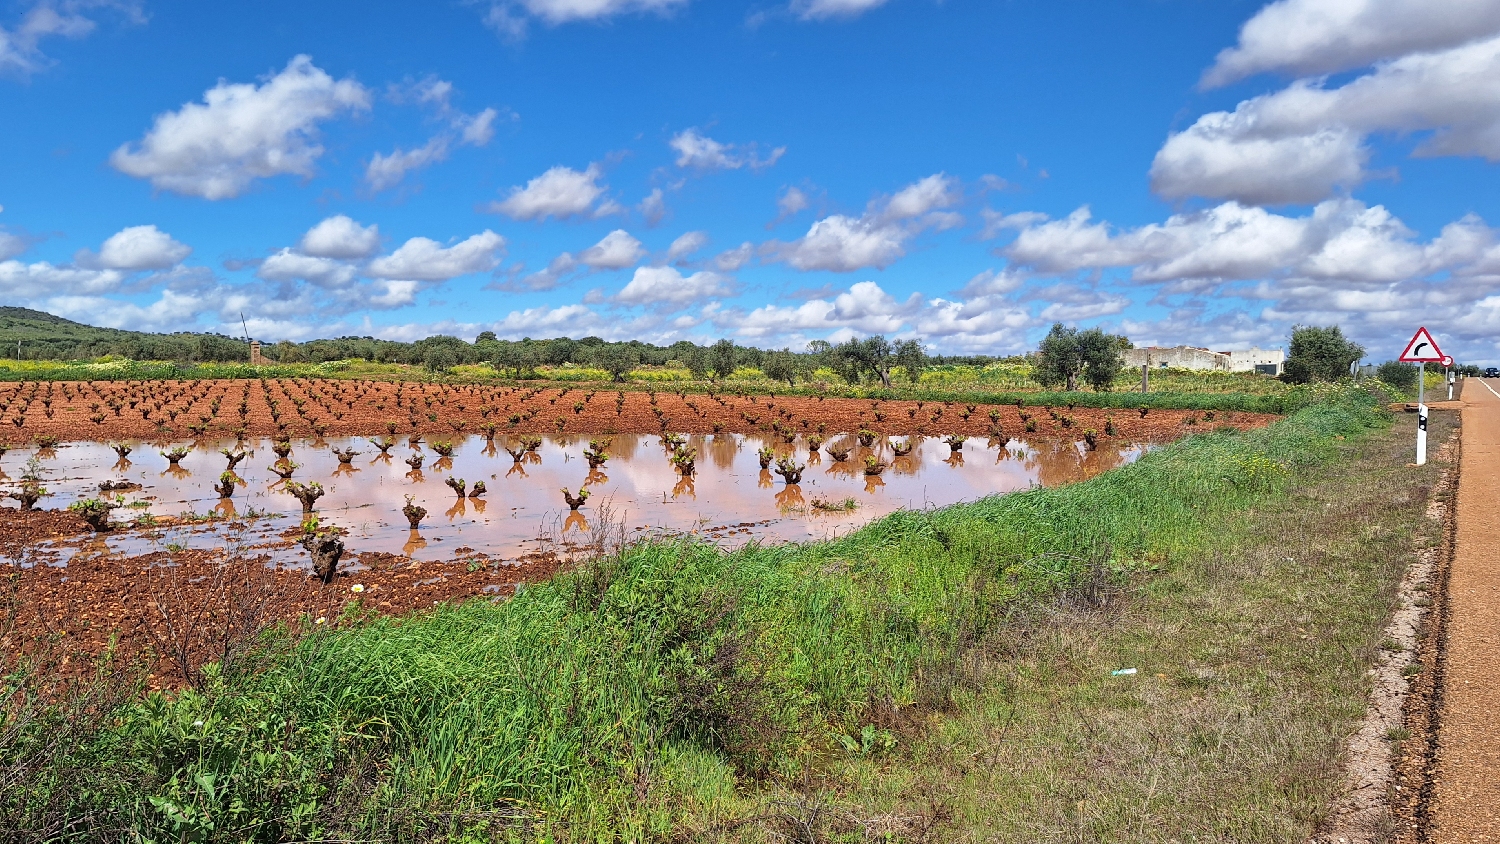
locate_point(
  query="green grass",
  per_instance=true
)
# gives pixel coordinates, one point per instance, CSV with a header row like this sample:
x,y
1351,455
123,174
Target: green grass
x,y
1251,653
671,686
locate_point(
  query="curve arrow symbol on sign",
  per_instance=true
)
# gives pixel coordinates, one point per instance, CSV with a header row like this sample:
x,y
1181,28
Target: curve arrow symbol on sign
x,y
1422,349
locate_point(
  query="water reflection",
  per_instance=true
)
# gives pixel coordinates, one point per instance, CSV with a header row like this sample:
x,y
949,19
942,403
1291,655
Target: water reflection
x,y
414,543
790,498
728,488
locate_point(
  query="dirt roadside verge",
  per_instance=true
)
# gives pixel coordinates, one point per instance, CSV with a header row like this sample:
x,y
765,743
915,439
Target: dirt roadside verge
x,y
1465,804
1388,758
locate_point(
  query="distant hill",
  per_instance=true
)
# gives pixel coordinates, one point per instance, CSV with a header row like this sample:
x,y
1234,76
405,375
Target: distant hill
x,y
44,336
26,324
47,336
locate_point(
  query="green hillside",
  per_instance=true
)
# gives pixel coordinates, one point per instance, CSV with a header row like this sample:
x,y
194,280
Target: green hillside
x,y
43,336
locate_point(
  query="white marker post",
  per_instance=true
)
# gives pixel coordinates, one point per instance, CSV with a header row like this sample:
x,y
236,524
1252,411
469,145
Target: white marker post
x,y
1448,375
1422,350
1421,415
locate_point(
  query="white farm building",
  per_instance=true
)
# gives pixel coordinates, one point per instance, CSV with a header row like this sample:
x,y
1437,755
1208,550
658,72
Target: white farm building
x,y
1264,361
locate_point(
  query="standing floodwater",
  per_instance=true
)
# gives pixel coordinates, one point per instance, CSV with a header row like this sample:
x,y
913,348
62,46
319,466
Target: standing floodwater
x,y
728,497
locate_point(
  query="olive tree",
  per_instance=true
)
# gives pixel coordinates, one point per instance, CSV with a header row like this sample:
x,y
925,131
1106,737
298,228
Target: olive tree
x,y
618,359
439,359
722,359
519,358
1066,354
871,356
1319,354
912,359
781,366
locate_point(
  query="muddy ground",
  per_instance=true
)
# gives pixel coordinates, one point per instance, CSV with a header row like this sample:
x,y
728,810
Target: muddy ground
x,y
179,608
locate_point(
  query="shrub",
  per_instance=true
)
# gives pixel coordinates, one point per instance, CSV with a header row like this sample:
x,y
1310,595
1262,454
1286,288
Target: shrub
x,y
1402,376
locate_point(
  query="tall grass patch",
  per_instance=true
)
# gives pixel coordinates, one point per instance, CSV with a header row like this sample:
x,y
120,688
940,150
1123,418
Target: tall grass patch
x,y
657,686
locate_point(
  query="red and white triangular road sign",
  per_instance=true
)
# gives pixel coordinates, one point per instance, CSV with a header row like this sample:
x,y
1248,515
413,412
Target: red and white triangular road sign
x,y
1422,349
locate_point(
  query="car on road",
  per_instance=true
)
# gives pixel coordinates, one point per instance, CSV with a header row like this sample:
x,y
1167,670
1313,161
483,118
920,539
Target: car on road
x,y
1492,372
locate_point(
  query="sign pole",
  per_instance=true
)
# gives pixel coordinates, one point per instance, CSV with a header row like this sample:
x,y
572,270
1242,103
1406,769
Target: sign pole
x,y
1421,349
1421,415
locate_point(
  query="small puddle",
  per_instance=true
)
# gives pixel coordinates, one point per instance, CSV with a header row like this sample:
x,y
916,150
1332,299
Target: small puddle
x,y
729,500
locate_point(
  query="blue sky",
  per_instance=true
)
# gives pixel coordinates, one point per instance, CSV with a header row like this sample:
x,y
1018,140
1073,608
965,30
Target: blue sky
x,y
963,172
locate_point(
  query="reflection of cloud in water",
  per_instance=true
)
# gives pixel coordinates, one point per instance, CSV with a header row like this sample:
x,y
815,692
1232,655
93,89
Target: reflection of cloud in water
x,y
729,488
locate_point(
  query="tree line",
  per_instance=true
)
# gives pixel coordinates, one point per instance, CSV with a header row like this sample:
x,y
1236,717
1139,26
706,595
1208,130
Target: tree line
x,y
1067,357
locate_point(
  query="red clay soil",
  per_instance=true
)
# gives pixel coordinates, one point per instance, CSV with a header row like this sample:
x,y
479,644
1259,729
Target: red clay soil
x,y
1466,788
190,601
157,410
97,599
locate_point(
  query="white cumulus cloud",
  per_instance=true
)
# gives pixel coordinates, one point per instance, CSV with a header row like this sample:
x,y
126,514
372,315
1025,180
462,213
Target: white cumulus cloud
x,y
40,279
865,307
731,260
686,244
1301,143
136,248
341,238
424,259
700,152
387,170
616,251
1306,37
242,132
665,286
792,202
653,207
846,244
509,18
1341,239
290,265
560,192
876,239
12,245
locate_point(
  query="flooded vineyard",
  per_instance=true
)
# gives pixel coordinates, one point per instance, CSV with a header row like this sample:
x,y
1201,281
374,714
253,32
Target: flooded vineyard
x,y
732,488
